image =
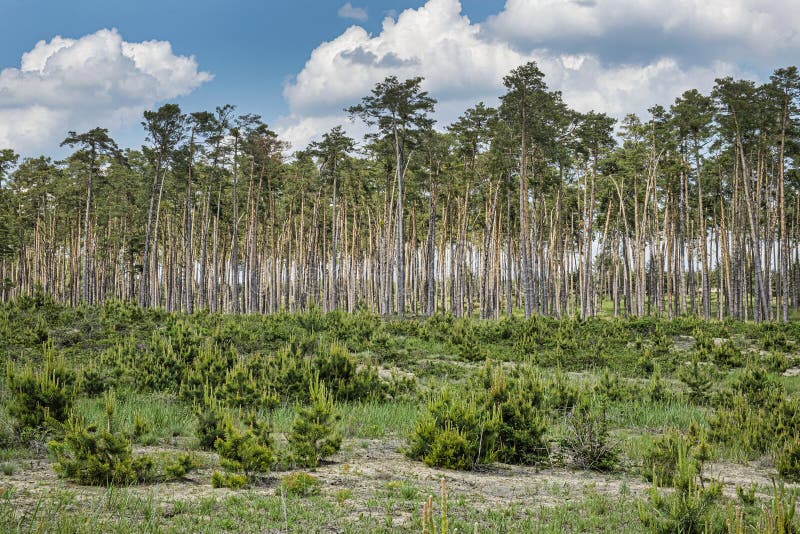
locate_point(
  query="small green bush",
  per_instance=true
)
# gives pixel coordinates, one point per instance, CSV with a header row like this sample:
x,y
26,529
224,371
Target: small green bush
x,y
742,425
313,436
522,423
657,389
248,452
240,388
8,468
94,457
747,497
787,460
228,480
180,466
469,347
779,516
451,450
500,418
610,386
661,343
727,355
758,387
586,439
661,458
454,432
697,378
777,362
756,429
94,381
40,397
560,395
660,462
210,423
344,378
690,509
140,426
775,341
702,341
300,484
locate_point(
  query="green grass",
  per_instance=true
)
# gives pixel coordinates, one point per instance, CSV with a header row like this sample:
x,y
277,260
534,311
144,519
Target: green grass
x,y
368,420
396,510
790,383
425,348
653,416
166,417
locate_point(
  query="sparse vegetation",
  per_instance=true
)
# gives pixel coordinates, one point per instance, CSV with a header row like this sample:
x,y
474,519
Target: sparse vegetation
x,y
234,414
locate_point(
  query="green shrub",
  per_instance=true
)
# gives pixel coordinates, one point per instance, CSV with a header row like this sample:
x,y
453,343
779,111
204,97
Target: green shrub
x,y
210,422
247,452
290,372
454,432
344,377
610,386
779,516
661,343
787,460
656,388
586,439
300,484
698,379
90,456
747,497
777,362
313,436
8,468
451,450
690,509
758,387
565,341
94,381
559,394
754,414
661,459
645,363
469,347
702,341
741,424
775,341
727,355
522,421
239,388
207,370
228,480
140,426
40,397
756,429
178,467
100,457
501,419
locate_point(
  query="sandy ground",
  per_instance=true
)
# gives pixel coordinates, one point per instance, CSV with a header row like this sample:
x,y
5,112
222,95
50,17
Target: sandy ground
x,y
367,467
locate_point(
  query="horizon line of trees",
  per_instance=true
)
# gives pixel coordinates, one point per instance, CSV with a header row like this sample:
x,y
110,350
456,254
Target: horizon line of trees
x,y
532,205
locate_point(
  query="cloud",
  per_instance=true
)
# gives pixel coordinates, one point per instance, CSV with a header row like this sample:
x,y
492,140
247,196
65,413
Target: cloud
x,y
695,30
96,80
464,63
347,11
389,60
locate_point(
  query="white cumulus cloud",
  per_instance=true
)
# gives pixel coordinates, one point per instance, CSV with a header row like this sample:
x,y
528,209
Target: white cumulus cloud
x,y
464,63
347,11
96,80
749,30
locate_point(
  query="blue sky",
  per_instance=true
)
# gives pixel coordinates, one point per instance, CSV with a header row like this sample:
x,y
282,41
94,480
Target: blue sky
x,y
298,63
250,46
